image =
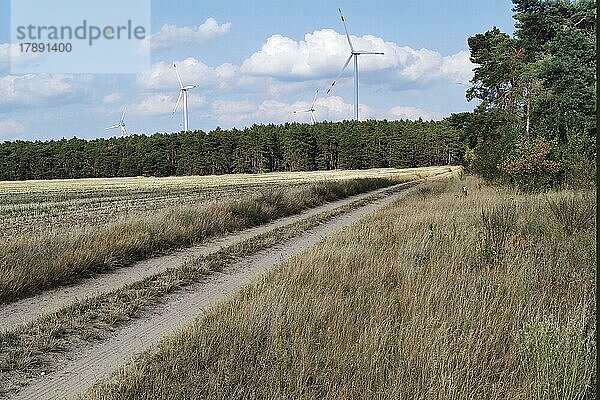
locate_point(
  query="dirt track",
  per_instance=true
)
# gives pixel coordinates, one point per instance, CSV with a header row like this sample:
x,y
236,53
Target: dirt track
x,y
29,309
82,368
97,361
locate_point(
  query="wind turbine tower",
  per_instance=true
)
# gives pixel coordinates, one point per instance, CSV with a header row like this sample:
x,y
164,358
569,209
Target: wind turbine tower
x,y
353,54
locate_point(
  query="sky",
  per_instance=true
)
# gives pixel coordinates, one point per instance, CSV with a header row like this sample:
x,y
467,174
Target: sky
x,y
256,62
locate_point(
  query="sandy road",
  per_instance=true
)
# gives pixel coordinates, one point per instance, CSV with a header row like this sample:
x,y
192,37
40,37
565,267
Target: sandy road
x,y
29,309
99,360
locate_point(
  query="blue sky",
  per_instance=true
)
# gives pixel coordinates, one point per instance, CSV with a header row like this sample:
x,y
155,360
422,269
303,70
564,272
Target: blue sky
x,y
257,62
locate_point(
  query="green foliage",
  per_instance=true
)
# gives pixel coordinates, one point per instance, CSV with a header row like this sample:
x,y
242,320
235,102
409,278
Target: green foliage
x,y
578,161
529,168
259,148
539,84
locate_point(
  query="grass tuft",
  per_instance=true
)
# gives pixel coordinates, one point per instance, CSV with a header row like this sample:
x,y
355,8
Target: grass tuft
x,y
573,211
557,358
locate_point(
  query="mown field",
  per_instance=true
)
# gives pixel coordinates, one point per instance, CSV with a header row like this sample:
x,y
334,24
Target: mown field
x,y
56,231
41,205
438,296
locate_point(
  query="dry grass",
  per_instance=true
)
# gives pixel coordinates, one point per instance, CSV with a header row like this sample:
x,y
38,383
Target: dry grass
x,y
39,207
407,304
36,262
38,346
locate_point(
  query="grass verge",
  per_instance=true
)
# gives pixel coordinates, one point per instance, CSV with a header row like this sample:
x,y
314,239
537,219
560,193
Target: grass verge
x,y
33,263
406,304
37,346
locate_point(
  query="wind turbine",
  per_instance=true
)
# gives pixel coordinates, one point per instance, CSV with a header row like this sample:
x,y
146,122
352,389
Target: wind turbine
x,y
183,92
353,54
121,124
311,110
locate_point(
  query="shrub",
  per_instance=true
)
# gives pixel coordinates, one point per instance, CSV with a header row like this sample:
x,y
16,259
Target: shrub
x,y
529,168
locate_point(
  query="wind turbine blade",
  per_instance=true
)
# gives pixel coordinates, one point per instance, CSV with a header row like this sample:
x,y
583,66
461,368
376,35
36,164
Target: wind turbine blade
x,y
312,117
123,131
177,104
341,72
123,115
178,77
113,126
346,29
368,52
312,105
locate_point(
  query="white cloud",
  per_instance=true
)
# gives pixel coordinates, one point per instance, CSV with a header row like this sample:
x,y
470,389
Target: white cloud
x,y
162,104
411,113
233,112
333,108
41,89
10,127
322,54
170,36
284,65
112,98
161,75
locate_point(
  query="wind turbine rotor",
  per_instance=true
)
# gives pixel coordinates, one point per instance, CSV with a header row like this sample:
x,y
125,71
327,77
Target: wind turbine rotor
x,y
359,52
354,54
312,105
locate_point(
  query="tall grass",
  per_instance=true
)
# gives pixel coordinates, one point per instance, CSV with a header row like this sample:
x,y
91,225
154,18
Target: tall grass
x,y
572,210
399,306
35,262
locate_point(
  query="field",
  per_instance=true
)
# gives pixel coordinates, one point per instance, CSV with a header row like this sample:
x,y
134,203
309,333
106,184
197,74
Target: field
x,y
438,296
40,206
432,294
55,232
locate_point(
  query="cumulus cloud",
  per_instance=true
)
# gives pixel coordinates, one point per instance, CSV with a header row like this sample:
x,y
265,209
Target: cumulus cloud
x,y
162,104
322,54
333,108
170,36
161,75
41,89
411,113
283,65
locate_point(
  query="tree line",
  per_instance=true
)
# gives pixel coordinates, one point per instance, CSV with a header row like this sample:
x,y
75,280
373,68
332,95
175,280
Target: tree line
x,y
259,148
535,125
